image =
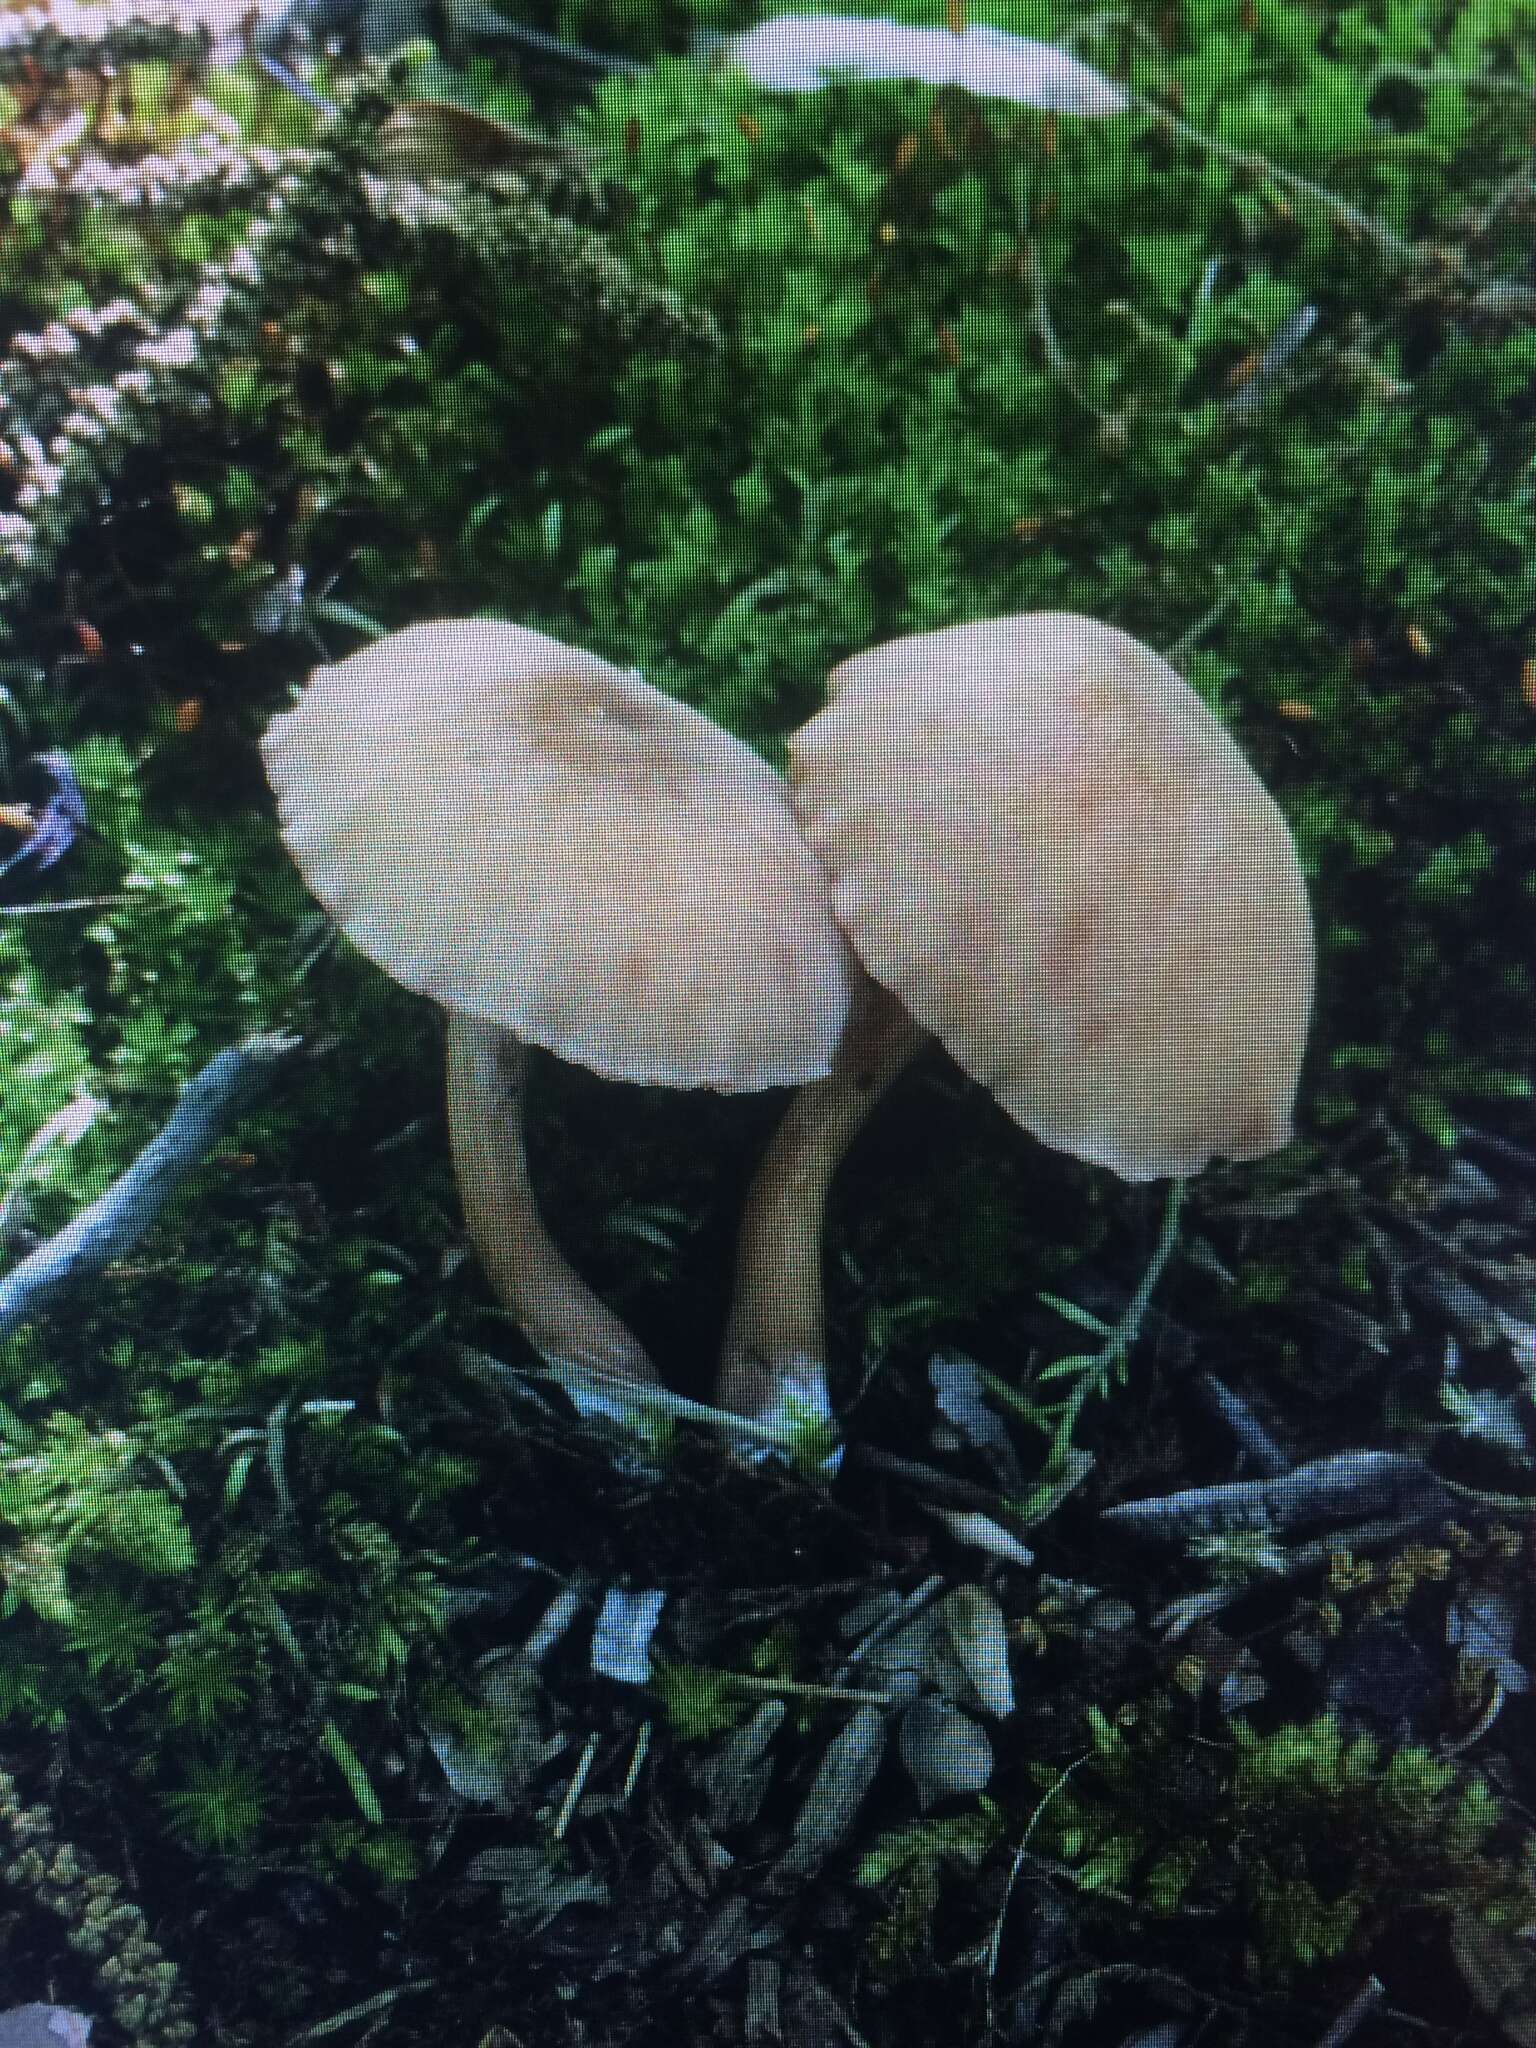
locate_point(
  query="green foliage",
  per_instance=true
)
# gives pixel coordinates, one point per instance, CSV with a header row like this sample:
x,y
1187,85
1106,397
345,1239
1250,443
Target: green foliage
x,y
287,1611
72,1495
387,1854
912,1864
698,1702
950,391
1316,1837
1058,1393
889,480
220,1804
210,1670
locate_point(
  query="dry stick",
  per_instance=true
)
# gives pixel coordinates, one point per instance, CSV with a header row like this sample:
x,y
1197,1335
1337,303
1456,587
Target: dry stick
x,y
1056,358
1230,1408
1345,1486
774,1363
564,1321
794,1689
111,1225
1355,2014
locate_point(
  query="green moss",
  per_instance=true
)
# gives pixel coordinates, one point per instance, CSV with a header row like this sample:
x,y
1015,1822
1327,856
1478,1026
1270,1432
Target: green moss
x,y
220,1804
1315,1839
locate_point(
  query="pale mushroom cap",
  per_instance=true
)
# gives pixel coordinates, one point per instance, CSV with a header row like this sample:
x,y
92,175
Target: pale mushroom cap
x,y
1043,842
525,832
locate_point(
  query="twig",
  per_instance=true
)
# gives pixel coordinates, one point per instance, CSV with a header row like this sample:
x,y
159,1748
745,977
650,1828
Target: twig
x,y
113,1224
1482,1724
574,1790
636,1762
1212,616
633,1403
1303,188
380,2002
1354,2015
1056,357
1020,1858
793,1689
1231,1409
1098,1370
1345,1487
927,1480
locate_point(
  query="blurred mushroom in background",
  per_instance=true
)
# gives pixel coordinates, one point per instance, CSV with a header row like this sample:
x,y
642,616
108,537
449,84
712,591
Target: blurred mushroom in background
x,y
804,52
1050,855
560,855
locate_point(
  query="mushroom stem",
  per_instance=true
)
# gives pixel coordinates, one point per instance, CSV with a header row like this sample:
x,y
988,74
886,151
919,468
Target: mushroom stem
x,y
557,1312
773,1367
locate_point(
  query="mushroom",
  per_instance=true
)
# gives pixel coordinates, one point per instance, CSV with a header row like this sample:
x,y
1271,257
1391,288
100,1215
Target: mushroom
x,y
560,856
1051,856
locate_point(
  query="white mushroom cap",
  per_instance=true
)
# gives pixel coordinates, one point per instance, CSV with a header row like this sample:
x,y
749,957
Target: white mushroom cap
x,y
1047,847
530,835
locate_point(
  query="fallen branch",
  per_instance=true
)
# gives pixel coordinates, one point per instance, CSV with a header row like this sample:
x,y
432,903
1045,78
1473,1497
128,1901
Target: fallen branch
x,y
113,1224
1349,1486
